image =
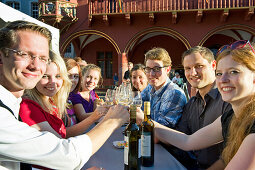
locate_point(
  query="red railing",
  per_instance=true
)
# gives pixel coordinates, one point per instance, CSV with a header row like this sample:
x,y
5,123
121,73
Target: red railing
x,y
142,6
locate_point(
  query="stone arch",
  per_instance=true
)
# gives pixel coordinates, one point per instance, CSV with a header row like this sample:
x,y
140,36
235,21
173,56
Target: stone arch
x,y
168,31
225,27
227,34
163,37
86,32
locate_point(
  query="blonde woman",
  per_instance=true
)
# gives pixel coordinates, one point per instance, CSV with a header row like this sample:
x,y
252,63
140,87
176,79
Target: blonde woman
x,y
44,107
235,78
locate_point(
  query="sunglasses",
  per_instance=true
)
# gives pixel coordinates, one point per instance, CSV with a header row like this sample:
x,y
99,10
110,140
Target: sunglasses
x,y
236,45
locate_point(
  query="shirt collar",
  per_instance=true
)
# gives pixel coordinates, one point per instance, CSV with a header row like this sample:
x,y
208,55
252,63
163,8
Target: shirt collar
x,y
153,91
212,93
10,100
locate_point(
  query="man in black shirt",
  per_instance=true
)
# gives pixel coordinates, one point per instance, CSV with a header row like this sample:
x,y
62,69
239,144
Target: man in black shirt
x,y
127,73
203,108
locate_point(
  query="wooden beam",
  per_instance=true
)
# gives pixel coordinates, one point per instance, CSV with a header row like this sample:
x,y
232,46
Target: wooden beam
x,y
106,20
199,16
128,18
151,18
249,14
174,17
224,15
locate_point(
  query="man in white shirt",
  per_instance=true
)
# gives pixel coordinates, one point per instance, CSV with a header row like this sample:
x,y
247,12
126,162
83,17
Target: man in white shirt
x,y
24,54
177,79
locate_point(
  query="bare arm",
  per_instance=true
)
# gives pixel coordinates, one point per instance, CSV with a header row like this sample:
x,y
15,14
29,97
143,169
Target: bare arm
x,y
80,112
203,138
45,126
86,123
245,157
218,165
115,117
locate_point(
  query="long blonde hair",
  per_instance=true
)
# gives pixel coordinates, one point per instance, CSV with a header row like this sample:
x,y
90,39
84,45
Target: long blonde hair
x,y
239,126
60,98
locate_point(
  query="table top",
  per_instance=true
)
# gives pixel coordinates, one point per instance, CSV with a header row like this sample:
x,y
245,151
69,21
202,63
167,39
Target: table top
x,y
112,158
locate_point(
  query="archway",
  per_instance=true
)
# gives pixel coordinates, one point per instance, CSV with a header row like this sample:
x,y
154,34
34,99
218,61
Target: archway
x,y
166,38
226,35
98,48
96,33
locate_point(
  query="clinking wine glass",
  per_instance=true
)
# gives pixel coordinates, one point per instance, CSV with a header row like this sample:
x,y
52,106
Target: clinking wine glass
x,y
137,99
124,94
109,96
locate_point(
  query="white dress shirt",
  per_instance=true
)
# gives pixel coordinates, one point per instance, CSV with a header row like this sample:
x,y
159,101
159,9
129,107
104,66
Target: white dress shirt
x,y
21,143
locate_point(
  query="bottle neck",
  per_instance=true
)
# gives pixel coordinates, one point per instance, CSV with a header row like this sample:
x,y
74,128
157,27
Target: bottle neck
x,y
133,117
147,117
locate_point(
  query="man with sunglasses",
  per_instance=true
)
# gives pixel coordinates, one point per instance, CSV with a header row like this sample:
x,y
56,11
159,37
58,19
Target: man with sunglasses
x,y
24,55
203,108
166,98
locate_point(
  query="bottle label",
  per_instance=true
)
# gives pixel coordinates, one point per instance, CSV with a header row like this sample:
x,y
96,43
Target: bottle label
x,y
146,144
126,150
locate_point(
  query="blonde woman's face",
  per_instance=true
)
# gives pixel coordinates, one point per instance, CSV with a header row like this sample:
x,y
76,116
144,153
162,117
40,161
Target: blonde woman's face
x,y
139,80
90,80
51,81
73,75
234,80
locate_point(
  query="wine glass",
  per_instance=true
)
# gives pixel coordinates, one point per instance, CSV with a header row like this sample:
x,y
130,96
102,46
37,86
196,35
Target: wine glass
x,y
109,96
137,99
124,94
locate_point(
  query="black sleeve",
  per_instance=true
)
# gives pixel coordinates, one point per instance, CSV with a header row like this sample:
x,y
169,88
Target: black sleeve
x,y
183,122
126,75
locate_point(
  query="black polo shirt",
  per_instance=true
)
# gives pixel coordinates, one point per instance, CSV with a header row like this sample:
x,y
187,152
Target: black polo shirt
x,y
197,114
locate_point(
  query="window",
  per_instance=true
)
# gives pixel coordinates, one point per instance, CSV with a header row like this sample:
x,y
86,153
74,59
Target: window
x,y
34,9
104,61
13,4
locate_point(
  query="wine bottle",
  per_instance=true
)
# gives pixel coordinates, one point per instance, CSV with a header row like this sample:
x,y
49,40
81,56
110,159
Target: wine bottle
x,y
132,147
147,138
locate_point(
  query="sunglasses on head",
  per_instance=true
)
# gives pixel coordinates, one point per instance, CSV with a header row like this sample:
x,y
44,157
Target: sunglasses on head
x,y
236,45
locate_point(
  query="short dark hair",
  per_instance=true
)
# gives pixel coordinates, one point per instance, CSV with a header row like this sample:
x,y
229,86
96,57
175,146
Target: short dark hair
x,y
137,67
206,53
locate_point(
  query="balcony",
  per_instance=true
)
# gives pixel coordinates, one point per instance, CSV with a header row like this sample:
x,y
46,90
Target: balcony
x,y
58,13
143,6
108,8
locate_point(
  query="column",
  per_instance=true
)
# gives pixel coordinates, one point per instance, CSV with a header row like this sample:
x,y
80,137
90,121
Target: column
x,y
122,65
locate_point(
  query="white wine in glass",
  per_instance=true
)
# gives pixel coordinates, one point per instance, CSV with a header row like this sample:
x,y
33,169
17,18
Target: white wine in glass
x,y
137,99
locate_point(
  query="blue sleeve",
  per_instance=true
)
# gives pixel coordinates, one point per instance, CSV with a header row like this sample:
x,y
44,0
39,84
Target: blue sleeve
x,y
171,107
145,94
